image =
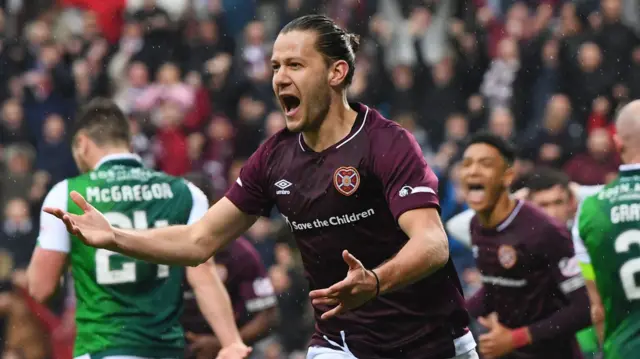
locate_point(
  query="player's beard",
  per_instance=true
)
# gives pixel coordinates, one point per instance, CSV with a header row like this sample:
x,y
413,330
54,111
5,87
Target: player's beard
x,y
318,108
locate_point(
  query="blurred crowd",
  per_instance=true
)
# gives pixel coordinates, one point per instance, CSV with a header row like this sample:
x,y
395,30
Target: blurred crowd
x,y
194,77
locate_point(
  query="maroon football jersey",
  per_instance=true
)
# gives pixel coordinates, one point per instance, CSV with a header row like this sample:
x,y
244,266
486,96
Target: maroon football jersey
x,y
350,196
245,277
531,278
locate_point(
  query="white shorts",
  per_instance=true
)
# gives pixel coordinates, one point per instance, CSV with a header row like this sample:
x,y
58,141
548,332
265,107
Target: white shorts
x,y
465,345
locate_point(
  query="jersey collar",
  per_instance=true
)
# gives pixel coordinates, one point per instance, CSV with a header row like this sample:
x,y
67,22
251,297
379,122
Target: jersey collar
x,y
630,167
127,157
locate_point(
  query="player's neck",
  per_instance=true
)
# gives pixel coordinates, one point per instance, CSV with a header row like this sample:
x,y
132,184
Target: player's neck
x,y
336,125
109,151
496,215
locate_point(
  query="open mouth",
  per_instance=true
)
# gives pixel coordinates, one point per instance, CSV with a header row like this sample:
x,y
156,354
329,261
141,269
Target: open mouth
x,y
290,103
475,192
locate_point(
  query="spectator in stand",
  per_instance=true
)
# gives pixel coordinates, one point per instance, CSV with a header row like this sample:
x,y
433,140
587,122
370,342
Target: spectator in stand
x,y
13,128
598,164
18,232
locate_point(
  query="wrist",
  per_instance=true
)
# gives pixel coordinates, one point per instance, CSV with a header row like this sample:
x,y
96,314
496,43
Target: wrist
x,y
520,337
376,283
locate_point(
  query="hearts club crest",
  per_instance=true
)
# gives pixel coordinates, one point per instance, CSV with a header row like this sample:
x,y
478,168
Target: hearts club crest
x,y
346,180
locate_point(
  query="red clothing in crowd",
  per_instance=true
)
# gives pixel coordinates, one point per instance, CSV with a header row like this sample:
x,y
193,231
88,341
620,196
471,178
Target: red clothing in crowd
x,y
109,15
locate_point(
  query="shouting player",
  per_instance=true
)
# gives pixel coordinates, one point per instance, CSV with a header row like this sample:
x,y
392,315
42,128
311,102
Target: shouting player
x,y
359,198
609,228
533,299
125,307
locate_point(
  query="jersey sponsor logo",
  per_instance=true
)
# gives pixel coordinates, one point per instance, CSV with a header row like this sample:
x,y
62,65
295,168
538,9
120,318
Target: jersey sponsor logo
x,y
569,267
331,222
504,282
407,190
283,185
507,256
222,271
346,180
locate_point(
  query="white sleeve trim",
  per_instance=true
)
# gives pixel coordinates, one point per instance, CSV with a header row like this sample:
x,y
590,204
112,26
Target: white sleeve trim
x,y
459,226
578,244
200,204
586,191
53,233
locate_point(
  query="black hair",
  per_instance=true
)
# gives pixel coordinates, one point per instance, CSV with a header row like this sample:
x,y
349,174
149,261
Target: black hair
x,y
506,149
103,122
333,42
545,178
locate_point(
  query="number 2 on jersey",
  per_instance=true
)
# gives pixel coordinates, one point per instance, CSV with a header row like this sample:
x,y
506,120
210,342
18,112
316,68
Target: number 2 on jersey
x,y
127,273
631,268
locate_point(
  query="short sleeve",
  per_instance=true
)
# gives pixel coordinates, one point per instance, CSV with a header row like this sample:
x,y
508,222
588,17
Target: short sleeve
x,y
200,203
586,191
562,261
581,250
459,226
407,180
248,191
53,233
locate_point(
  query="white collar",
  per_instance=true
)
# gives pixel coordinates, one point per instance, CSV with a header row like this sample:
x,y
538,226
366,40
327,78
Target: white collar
x,y
118,156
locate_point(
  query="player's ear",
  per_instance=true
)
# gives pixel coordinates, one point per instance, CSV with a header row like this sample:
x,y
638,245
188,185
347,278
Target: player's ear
x,y
509,176
338,72
617,141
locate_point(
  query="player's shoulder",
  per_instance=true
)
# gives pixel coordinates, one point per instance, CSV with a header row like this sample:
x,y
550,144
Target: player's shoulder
x,y
546,229
379,127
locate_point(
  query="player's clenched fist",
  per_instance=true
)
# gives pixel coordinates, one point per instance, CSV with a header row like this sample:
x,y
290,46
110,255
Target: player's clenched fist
x,y
91,227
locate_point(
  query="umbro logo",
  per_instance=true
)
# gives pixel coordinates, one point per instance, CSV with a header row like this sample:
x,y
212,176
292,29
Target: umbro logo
x,y
283,185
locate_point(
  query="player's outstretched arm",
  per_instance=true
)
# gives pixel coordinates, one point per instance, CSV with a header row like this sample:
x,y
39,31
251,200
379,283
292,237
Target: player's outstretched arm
x,y
178,245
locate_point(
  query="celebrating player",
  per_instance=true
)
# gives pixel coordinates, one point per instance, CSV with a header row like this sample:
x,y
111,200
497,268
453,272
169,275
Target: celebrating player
x,y
359,198
609,228
533,299
125,307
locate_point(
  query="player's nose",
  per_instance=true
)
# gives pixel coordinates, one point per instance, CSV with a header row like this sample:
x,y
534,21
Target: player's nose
x,y
281,78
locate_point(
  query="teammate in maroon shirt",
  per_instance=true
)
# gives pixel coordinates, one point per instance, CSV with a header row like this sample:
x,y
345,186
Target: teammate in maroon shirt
x,y
252,297
245,277
533,299
359,198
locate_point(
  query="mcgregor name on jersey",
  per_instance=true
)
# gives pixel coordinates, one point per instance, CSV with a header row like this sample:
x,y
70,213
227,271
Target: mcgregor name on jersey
x,y
127,193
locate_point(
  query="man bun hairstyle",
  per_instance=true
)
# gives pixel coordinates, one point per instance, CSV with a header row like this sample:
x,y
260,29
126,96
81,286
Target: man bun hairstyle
x,y
103,122
333,42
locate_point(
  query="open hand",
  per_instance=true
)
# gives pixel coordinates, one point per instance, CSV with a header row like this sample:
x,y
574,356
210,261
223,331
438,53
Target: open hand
x,y
91,227
498,341
357,288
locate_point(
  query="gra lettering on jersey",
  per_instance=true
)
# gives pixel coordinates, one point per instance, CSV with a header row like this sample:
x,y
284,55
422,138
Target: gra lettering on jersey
x,y
331,221
625,213
126,193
